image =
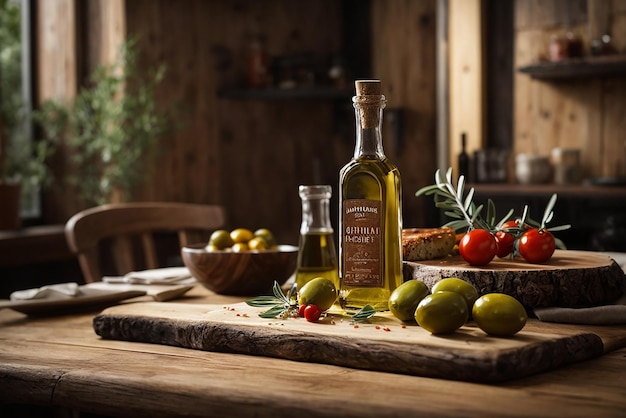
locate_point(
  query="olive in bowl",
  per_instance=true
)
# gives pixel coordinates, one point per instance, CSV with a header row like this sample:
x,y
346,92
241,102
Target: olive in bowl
x,y
240,273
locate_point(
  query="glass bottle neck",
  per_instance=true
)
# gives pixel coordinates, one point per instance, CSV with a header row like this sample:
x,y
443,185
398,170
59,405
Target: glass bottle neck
x,y
368,111
315,209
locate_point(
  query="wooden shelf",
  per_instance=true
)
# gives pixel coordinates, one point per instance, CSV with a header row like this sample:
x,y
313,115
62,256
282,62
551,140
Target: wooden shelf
x,y
583,190
299,93
588,67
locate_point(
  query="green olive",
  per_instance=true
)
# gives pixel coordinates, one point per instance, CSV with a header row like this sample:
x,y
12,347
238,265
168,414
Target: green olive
x,y
220,239
319,291
267,235
463,288
241,235
239,247
442,312
499,314
258,243
405,298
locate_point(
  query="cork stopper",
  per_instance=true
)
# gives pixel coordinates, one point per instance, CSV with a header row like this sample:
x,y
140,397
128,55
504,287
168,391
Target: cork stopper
x,y
368,87
370,100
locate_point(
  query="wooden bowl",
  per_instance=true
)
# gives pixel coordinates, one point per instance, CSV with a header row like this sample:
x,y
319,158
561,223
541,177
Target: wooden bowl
x,y
246,273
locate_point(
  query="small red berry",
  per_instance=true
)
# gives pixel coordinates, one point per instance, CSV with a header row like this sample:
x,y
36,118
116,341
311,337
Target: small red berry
x,y
301,311
312,313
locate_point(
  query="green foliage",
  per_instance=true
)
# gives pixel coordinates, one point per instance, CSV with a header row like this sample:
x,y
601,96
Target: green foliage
x,y
460,206
21,159
112,127
464,213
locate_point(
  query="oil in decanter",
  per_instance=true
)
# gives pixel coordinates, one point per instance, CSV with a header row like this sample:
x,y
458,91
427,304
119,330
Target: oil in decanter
x,y
317,256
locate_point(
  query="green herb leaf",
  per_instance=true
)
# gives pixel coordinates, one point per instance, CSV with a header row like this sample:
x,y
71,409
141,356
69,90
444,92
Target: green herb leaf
x,y
504,219
279,303
427,190
457,225
468,199
278,292
491,212
262,301
364,314
559,228
459,187
274,311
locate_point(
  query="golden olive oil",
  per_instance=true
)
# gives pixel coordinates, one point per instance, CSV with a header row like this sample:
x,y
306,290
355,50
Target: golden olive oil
x,y
370,246
317,258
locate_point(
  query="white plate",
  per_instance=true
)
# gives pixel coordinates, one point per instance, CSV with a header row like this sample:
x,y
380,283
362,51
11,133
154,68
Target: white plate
x,y
89,298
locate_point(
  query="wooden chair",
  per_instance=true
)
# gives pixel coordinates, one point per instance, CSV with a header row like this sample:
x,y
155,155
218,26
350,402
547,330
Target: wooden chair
x,y
128,229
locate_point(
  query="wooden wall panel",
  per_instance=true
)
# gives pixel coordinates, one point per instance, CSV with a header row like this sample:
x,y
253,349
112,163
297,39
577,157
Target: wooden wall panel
x,y
56,78
56,49
614,129
587,114
403,51
250,155
104,30
466,74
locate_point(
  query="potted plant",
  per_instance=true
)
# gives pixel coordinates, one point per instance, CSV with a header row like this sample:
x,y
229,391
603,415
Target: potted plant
x,y
23,167
110,127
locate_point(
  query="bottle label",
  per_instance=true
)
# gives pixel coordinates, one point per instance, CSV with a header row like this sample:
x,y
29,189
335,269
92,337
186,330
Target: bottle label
x,y
361,243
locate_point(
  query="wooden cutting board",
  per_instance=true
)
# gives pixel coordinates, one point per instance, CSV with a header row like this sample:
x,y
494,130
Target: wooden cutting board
x,y
384,344
569,279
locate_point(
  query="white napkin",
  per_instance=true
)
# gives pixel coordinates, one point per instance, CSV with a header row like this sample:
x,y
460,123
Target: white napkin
x,y
597,315
611,314
53,291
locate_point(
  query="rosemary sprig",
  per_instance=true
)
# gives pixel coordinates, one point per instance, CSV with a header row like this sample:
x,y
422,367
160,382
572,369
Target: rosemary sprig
x,y
460,207
285,306
548,214
363,314
280,305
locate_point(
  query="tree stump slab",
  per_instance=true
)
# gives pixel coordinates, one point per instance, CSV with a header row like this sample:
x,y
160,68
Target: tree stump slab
x,y
569,279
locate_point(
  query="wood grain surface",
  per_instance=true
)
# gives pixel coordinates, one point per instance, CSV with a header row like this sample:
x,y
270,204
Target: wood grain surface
x,y
385,344
60,362
569,279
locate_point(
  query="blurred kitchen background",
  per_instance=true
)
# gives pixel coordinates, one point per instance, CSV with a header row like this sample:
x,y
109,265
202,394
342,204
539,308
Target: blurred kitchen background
x,y
262,92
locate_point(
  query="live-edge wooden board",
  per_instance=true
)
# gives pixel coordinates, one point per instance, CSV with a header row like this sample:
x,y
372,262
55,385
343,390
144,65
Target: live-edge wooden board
x,y
569,279
385,344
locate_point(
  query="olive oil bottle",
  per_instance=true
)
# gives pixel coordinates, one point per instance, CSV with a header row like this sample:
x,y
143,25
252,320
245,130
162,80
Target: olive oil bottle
x,y
317,256
370,221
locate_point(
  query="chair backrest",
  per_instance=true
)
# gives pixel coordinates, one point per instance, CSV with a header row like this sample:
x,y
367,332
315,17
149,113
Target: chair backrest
x,y
123,224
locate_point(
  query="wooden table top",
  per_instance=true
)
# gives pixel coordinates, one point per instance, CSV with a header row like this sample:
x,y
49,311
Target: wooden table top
x,y
60,361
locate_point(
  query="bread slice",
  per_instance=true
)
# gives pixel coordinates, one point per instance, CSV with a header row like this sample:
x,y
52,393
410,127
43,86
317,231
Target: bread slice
x,y
427,243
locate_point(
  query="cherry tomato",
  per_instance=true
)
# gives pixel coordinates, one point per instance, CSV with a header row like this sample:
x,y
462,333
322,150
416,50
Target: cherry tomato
x,y
505,242
478,247
537,245
510,224
301,311
312,313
